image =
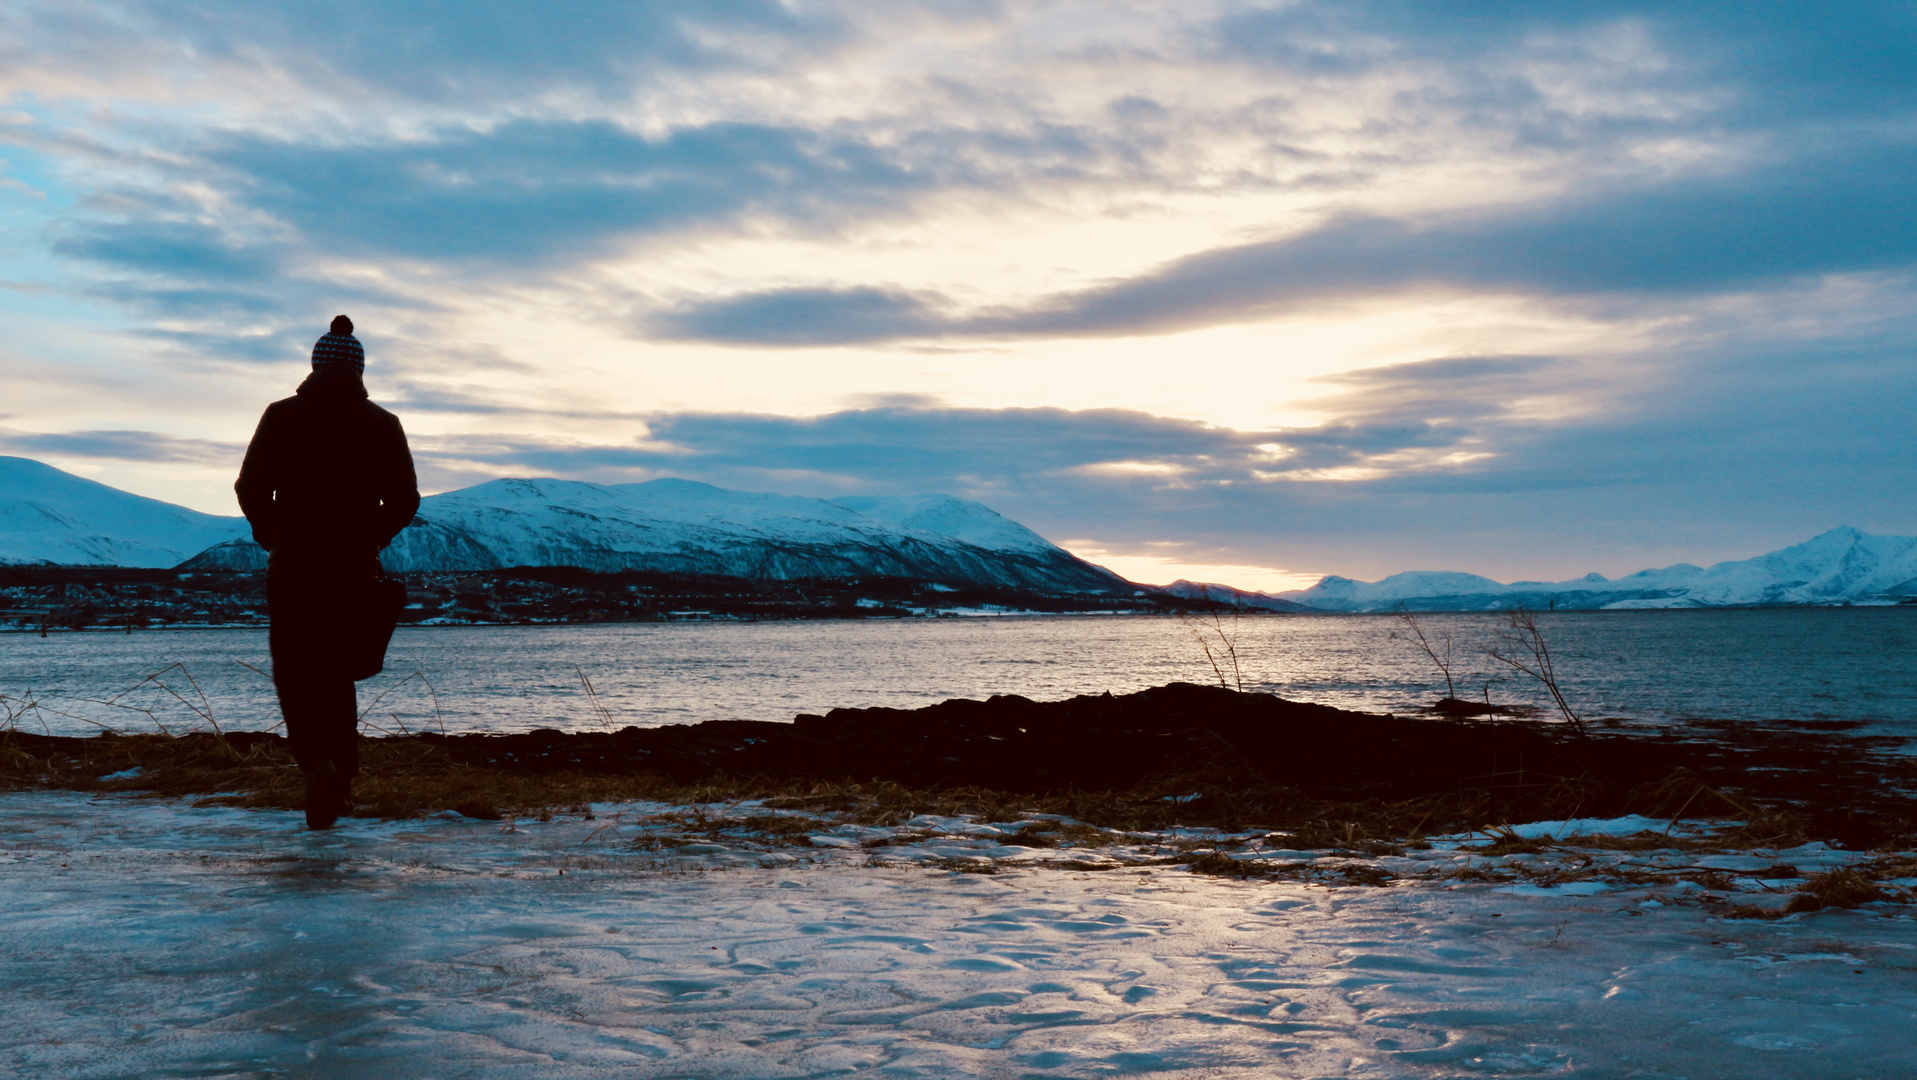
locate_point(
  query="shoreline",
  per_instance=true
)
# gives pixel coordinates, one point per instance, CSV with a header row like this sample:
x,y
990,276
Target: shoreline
x,y
692,617
1199,754
955,614
110,599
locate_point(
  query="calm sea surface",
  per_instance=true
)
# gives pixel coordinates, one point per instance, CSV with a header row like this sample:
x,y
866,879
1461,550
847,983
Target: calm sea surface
x,y
1754,665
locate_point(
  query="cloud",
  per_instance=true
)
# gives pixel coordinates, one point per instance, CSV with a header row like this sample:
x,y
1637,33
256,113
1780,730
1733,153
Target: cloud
x,y
277,346
1767,62
1733,444
503,185
176,249
513,176
804,317
1741,444
540,188
919,447
1800,219
510,198
151,446
908,444
890,445
165,258
1452,389
468,54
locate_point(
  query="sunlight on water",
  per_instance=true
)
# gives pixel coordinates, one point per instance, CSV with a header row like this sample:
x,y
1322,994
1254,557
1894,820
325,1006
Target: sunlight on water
x,y
1849,664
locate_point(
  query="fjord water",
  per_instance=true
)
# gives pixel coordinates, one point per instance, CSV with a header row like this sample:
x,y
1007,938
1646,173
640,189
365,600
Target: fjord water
x,y
1755,665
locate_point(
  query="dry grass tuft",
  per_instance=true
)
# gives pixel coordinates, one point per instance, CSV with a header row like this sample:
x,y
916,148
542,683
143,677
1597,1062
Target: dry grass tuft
x,y
1506,842
1843,888
1218,864
402,778
1209,788
965,866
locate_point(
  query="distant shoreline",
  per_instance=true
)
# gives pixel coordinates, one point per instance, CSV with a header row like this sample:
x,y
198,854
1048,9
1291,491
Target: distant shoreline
x,y
109,597
261,624
15,629
941,616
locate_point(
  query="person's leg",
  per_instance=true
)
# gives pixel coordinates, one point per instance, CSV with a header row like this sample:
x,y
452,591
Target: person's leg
x,y
290,637
311,707
301,708
340,707
308,623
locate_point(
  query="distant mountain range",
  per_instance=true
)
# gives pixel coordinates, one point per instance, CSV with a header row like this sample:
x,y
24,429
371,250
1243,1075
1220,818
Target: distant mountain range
x,y
677,526
49,516
1842,566
1229,596
671,526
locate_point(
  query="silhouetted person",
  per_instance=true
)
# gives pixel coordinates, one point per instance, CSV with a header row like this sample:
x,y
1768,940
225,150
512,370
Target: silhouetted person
x,y
328,481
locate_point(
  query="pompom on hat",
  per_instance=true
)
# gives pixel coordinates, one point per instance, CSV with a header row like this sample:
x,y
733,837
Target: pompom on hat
x,y
339,350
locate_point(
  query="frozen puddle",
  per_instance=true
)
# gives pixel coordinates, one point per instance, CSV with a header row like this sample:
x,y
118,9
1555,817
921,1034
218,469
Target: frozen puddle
x,y
152,939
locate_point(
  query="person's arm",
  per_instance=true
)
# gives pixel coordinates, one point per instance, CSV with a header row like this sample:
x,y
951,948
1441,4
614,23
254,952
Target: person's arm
x,y
399,487
259,476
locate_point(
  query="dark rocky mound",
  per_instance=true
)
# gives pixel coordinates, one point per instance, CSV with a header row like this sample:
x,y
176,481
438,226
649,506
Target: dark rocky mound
x,y
1850,787
1243,757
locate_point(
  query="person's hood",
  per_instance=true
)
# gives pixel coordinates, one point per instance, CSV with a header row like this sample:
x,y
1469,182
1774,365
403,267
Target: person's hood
x,y
333,384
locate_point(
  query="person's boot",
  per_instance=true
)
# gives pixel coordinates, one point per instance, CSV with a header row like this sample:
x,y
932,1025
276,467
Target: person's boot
x,y
323,795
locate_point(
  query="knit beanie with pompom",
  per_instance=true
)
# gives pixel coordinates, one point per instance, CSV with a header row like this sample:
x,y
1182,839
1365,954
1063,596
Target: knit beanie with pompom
x,y
339,350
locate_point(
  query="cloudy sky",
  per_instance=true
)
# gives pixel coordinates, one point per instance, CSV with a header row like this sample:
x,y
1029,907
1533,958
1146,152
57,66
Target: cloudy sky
x,y
1248,291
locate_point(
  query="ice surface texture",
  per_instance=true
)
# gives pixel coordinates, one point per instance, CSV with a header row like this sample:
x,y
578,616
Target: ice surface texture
x,y
150,939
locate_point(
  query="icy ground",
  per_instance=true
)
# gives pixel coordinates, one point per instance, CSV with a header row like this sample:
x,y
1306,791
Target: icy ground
x,y
153,939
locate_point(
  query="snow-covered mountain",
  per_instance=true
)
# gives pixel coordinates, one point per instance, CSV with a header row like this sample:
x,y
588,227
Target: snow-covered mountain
x,y
943,515
1226,596
50,516
1841,566
679,526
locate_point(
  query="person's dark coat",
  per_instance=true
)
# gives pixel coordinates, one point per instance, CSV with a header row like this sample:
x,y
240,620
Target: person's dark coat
x,y
328,478
328,481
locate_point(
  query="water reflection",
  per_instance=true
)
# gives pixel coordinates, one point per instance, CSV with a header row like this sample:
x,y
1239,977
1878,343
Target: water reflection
x,y
1740,664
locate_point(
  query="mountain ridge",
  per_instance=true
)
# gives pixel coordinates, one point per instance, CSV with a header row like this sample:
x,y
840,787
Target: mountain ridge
x,y
668,525
1844,565
50,517
1231,597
